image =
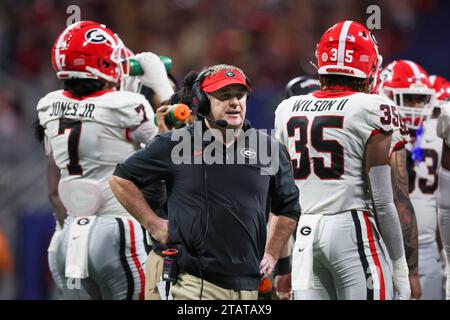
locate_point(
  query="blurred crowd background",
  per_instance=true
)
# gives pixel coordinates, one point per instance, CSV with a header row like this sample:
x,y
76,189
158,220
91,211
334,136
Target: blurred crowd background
x,y
272,40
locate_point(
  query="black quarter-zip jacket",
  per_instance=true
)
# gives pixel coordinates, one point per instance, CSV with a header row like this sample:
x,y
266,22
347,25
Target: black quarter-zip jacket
x,y
217,212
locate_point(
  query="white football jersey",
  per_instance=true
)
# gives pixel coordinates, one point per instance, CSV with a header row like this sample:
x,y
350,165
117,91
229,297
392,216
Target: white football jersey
x,y
443,124
423,181
89,137
326,135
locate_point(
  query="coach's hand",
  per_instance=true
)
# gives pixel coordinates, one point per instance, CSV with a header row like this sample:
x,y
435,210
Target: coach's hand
x,y
267,265
159,229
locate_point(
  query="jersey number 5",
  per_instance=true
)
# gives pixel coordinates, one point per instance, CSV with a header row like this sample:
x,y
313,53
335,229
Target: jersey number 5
x,y
302,168
73,143
391,116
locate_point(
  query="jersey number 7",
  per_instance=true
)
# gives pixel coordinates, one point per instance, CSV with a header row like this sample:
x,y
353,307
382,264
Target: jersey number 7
x,y
73,143
302,168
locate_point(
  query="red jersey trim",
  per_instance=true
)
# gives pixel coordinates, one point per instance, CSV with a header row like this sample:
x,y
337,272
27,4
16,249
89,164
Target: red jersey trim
x,y
399,145
128,134
375,131
95,94
332,94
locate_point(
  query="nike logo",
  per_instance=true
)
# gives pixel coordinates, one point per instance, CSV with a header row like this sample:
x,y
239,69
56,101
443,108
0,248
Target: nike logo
x,y
300,250
74,238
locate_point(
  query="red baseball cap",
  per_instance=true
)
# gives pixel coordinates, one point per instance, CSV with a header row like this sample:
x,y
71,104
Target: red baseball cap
x,y
223,78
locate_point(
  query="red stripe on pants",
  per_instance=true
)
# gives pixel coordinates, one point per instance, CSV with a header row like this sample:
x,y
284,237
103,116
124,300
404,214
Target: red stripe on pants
x,y
136,261
374,253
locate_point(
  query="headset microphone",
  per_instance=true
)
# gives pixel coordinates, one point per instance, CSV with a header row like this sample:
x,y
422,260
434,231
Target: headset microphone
x,y
221,123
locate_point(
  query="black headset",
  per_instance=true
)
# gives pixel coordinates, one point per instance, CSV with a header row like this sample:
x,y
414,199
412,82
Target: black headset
x,y
200,101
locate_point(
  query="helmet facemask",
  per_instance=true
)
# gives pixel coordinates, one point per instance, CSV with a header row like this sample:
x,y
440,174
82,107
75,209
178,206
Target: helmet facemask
x,y
414,107
374,76
127,82
120,56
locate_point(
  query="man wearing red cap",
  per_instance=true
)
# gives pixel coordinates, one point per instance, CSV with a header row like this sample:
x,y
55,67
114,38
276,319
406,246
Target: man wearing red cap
x,y
211,91
217,209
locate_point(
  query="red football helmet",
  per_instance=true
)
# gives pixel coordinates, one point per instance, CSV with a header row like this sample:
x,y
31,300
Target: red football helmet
x,y
442,88
408,85
89,50
349,49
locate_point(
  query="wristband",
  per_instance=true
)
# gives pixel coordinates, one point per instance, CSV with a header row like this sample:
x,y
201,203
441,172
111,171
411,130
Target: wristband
x,y
283,266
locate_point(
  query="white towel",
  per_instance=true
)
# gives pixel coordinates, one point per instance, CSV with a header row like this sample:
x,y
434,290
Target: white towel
x,y
78,247
302,256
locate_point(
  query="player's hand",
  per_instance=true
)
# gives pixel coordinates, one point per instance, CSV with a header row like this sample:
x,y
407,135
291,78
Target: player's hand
x,y
159,229
155,75
283,286
400,278
416,290
267,265
161,113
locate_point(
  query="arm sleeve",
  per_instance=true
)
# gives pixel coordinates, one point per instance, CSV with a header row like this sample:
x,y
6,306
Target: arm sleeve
x,y
383,199
283,191
148,165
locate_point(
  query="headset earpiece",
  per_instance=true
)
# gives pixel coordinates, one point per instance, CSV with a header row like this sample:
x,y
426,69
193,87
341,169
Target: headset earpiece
x,y
200,101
